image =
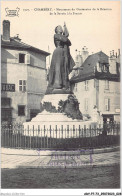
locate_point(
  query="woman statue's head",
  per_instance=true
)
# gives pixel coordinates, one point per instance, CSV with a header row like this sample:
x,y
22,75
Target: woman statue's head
x,y
59,29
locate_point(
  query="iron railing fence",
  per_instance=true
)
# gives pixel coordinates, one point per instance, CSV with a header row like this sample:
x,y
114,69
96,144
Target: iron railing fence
x,y
15,136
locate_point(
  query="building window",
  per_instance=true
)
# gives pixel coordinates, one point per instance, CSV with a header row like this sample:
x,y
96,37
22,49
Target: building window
x,y
105,68
98,67
86,104
96,84
106,85
21,58
21,110
22,85
107,104
86,85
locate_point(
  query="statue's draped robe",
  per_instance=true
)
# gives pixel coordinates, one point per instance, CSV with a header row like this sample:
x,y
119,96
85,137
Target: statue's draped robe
x,y
61,64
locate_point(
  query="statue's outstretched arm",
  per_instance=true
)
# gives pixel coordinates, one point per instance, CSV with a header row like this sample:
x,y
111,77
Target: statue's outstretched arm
x,y
66,32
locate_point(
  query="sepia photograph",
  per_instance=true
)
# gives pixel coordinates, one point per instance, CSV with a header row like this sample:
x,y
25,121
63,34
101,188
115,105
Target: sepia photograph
x,y
60,98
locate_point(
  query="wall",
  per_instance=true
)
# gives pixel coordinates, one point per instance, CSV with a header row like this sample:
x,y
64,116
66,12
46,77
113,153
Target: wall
x,y
12,72
82,94
37,59
35,75
97,94
113,94
112,63
37,81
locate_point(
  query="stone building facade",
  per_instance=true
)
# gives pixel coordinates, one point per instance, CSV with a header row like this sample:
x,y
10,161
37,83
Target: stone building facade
x,y
96,84
23,78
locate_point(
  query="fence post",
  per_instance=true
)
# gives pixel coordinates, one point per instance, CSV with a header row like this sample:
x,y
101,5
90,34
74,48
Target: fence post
x,y
79,131
84,130
16,136
3,135
73,131
118,128
62,130
33,138
19,136
47,138
38,136
29,131
68,135
90,131
112,129
76,130
67,131
25,137
115,128
13,135
41,138
22,136
50,136
56,133
44,136
11,138
6,130
59,132
99,129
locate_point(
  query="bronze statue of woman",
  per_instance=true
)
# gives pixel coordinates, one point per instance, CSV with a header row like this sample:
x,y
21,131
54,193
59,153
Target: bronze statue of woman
x,y
61,63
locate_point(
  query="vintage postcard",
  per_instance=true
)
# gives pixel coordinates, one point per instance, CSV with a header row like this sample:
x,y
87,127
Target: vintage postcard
x,y
60,98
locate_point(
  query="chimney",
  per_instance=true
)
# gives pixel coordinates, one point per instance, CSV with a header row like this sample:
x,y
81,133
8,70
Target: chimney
x,y
17,38
84,53
76,51
118,52
76,57
110,53
6,30
113,52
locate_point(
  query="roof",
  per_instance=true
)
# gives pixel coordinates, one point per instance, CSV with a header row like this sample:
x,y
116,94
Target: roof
x,y
87,69
15,44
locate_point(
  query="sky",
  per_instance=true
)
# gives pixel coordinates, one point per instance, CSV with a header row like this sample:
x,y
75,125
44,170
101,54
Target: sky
x,y
96,28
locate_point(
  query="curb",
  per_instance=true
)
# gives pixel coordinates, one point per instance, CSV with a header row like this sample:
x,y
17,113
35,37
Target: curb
x,y
22,152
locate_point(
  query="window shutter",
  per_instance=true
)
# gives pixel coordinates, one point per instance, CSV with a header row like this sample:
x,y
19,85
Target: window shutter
x,y
17,57
108,104
94,83
85,84
27,59
106,84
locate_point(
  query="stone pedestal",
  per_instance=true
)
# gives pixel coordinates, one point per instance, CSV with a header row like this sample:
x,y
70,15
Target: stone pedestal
x,y
55,123
54,99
